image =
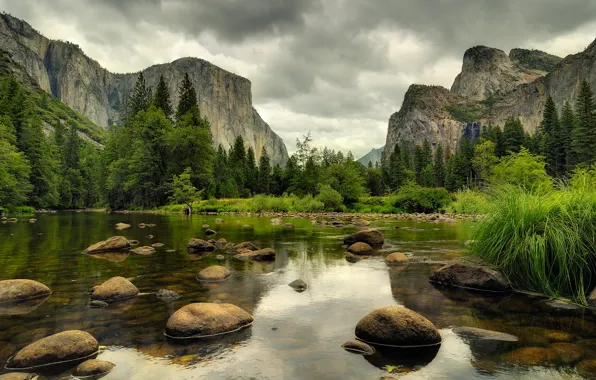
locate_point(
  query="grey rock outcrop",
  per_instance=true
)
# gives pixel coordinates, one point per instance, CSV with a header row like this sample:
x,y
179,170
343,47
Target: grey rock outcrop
x,y
62,69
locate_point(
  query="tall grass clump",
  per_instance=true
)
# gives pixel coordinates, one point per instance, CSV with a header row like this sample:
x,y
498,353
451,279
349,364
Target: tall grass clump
x,y
543,241
469,202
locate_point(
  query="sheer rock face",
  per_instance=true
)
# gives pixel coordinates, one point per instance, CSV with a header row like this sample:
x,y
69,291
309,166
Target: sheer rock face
x,y
63,70
518,84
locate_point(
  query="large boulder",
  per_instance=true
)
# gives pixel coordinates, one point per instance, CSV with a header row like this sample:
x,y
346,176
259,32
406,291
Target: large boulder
x,y
18,290
266,254
471,276
115,289
360,248
93,367
113,244
144,251
199,320
66,346
199,246
397,326
371,237
214,273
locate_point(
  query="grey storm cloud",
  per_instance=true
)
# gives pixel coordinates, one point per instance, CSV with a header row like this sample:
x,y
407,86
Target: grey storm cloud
x,y
339,68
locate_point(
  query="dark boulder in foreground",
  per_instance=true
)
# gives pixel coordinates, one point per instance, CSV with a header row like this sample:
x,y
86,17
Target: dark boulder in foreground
x,y
199,320
113,244
214,273
298,285
199,246
62,347
371,237
93,367
397,326
358,347
266,254
360,248
115,289
20,290
471,276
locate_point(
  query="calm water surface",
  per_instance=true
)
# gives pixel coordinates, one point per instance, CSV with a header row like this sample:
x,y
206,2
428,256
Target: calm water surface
x,y
294,335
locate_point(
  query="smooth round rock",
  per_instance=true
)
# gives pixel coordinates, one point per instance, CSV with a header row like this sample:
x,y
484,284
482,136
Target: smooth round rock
x,y
532,356
396,258
62,347
205,226
20,289
471,276
93,367
115,289
214,273
113,244
219,221
371,237
98,304
144,251
122,226
206,319
199,245
266,254
358,347
397,326
360,248
298,285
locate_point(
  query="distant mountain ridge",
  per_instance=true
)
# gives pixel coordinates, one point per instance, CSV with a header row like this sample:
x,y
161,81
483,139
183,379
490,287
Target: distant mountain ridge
x,y
62,69
373,156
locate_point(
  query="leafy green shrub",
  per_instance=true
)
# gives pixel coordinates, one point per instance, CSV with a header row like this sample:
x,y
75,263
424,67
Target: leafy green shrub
x,y
522,169
414,198
469,202
330,198
20,210
542,242
308,204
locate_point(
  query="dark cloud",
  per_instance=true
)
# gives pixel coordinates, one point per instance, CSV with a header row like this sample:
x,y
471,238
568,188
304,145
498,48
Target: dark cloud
x,y
336,67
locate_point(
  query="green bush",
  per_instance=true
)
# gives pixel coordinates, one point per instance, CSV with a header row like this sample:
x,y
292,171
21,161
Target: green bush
x,y
414,198
469,202
542,242
308,204
331,199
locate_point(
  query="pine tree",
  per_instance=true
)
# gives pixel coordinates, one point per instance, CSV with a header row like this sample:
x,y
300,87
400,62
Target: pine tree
x,y
513,135
162,98
251,172
440,166
72,148
583,141
277,181
406,155
188,97
551,144
566,125
141,97
264,176
59,134
237,159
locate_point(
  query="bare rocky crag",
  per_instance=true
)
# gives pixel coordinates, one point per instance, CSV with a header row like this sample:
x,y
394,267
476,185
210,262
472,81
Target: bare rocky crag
x,y
492,87
62,69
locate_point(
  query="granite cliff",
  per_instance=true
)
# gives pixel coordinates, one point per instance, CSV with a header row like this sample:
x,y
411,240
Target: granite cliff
x,y
374,156
491,87
62,69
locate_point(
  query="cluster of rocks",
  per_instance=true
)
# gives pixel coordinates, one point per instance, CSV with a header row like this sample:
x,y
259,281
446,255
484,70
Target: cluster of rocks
x,y
365,243
242,251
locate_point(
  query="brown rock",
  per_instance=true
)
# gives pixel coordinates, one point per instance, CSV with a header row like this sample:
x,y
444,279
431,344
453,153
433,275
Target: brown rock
x,y
358,347
371,237
214,273
199,245
396,258
18,376
361,223
93,367
246,245
205,226
122,226
115,289
470,276
532,356
157,245
266,254
219,221
587,368
298,285
397,326
360,248
144,251
113,244
352,258
210,232
65,346
206,319
476,333
18,290
568,352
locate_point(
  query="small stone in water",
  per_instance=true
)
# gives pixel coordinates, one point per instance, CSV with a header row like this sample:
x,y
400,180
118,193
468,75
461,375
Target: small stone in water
x,y
298,285
167,295
98,304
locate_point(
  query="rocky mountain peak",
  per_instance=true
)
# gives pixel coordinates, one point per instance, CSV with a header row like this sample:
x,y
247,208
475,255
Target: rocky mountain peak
x,y
534,59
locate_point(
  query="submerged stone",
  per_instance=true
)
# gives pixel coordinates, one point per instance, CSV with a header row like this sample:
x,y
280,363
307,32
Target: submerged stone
x,y
93,367
199,320
98,304
199,245
587,368
352,258
396,258
214,273
144,251
167,295
532,356
470,276
371,237
358,347
476,333
20,290
568,352
266,254
210,232
298,285
113,244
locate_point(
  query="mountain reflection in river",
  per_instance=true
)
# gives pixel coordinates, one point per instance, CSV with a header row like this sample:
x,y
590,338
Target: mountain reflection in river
x,y
294,335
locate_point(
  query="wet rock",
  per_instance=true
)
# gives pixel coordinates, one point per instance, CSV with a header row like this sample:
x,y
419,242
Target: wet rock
x,y
298,285
360,248
199,245
396,258
587,368
144,251
98,304
371,237
115,289
93,367
141,225
244,246
115,257
559,307
32,220
221,241
65,346
113,244
397,326
134,242
151,225
532,356
205,226
167,295
170,250
219,221
122,226
276,221
220,257
157,245
206,319
149,236
18,376
358,347
11,220
266,254
569,353
476,333
470,276
361,223
210,232
214,273
20,290
352,258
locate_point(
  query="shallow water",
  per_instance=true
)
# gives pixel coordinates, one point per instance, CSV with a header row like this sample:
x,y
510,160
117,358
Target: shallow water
x,y
294,335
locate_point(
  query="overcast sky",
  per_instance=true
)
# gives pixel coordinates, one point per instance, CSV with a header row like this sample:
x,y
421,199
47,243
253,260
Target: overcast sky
x,y
339,68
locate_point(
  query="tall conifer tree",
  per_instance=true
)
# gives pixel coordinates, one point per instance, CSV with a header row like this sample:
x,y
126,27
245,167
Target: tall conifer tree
x,y
188,97
162,98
